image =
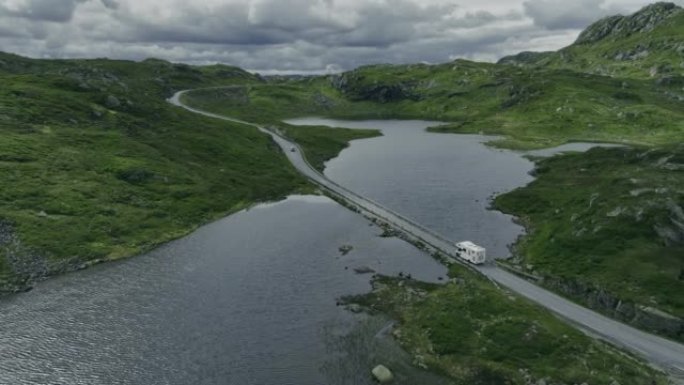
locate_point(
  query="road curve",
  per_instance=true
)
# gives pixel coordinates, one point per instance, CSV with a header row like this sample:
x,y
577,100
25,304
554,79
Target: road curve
x,y
661,352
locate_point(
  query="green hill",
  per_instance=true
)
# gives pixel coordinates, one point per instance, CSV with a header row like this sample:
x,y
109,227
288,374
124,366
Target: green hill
x,y
97,166
647,44
533,107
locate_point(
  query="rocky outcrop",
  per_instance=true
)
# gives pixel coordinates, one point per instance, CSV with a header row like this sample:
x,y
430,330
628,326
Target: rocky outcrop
x,y
601,300
526,58
519,94
645,20
26,265
356,87
112,102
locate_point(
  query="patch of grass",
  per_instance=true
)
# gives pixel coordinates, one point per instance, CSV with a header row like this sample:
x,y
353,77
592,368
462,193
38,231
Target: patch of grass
x,y
322,143
477,334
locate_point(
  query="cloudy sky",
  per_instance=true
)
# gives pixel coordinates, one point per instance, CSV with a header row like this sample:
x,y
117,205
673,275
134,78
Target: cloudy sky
x,y
297,35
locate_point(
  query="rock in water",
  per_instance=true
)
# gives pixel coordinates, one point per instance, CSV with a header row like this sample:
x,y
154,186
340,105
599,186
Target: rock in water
x,y
345,249
382,374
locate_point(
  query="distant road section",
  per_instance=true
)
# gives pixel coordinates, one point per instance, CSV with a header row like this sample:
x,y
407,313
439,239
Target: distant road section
x,y
666,354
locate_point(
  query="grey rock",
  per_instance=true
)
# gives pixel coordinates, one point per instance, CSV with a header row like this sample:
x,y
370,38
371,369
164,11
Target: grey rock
x,y
616,212
345,249
601,300
112,102
382,374
323,101
526,58
654,71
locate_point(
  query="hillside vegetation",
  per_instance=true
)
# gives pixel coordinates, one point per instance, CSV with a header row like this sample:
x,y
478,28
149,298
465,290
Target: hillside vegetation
x,y
533,105
645,45
97,166
607,228
474,333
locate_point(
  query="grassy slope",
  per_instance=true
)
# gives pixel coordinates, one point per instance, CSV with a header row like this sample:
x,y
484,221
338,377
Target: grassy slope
x,y
321,143
533,108
611,220
627,56
87,179
473,333
538,107
268,104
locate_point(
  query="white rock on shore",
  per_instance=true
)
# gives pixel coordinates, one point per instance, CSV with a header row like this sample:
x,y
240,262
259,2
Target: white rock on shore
x,y
382,374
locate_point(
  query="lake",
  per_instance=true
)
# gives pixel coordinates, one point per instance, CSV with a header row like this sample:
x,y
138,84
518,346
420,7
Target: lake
x,y
252,298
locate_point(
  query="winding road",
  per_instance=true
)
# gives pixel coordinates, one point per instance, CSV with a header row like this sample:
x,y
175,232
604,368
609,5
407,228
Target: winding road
x,y
663,353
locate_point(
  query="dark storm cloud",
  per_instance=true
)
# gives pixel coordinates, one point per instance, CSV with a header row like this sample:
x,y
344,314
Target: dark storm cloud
x,y
111,4
294,35
276,22
43,10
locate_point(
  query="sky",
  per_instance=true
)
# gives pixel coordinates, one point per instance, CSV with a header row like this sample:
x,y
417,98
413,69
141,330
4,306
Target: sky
x,y
297,36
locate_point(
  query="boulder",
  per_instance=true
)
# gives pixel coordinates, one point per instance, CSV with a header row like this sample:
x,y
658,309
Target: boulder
x,y
382,374
112,102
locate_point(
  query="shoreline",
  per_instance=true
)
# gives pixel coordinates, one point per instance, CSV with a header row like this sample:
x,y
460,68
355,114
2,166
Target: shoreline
x,y
18,285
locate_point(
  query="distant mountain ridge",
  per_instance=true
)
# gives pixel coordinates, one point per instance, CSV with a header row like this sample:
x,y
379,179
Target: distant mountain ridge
x,y
646,44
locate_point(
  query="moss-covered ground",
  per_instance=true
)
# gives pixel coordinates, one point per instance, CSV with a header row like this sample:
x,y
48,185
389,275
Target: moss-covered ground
x,y
322,143
97,166
475,333
609,220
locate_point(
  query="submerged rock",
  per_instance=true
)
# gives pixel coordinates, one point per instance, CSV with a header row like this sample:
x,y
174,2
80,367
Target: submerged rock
x,y
345,249
364,270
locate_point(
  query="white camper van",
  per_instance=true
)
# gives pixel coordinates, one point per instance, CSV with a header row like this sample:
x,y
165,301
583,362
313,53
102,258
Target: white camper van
x,y
471,252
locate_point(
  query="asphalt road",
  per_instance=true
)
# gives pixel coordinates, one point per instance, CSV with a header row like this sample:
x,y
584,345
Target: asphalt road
x,y
661,352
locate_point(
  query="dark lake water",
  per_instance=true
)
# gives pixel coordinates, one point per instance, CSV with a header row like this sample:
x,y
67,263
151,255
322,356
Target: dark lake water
x,y
441,181
251,299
